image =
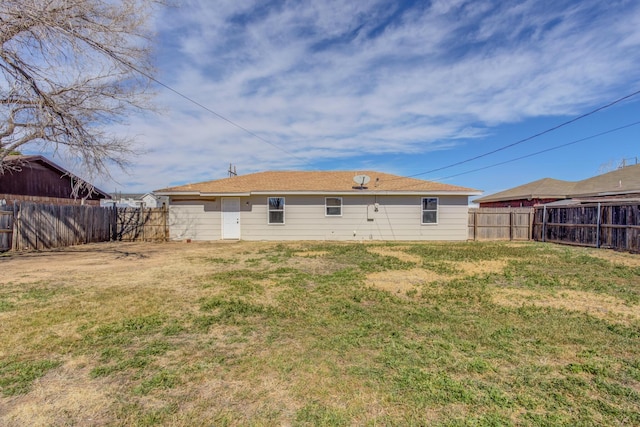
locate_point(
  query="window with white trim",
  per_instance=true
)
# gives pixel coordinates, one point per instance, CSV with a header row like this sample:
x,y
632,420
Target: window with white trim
x,y
333,206
276,210
429,210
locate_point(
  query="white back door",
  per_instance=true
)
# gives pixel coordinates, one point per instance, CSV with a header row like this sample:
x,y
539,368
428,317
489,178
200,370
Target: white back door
x,y
231,217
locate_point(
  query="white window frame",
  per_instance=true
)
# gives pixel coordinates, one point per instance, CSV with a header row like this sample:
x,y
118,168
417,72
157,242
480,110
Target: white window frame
x,y
269,210
423,210
326,207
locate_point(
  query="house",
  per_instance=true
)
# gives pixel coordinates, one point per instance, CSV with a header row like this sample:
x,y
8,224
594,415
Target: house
x,y
37,179
620,183
325,205
136,200
538,192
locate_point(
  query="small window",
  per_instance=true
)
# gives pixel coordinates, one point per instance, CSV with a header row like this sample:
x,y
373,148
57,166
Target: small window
x,y
276,210
333,206
429,210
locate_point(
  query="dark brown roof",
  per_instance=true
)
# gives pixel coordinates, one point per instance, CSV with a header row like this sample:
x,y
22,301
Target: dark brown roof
x,y
314,181
20,160
625,180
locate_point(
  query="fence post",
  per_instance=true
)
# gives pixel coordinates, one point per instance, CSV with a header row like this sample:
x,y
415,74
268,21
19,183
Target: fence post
x,y
511,224
14,227
475,225
532,218
544,223
598,227
114,225
165,215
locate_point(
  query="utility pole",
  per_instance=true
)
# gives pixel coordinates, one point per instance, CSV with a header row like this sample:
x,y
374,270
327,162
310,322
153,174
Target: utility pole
x,y
232,171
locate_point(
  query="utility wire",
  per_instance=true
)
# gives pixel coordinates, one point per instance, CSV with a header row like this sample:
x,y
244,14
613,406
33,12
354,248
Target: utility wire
x,y
220,116
568,122
544,151
557,147
575,119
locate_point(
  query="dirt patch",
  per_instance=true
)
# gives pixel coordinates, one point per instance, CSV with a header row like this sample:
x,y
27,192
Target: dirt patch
x,y
598,305
480,267
403,281
62,397
397,252
311,254
622,258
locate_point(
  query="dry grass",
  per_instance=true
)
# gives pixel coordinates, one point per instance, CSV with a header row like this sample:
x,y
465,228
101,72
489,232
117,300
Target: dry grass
x,y
313,334
597,305
409,281
63,397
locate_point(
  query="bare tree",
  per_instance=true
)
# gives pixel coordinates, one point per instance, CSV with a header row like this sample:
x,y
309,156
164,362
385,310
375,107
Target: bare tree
x,y
69,69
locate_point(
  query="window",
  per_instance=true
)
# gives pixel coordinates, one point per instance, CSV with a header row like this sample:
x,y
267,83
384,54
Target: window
x,y
333,206
429,210
276,210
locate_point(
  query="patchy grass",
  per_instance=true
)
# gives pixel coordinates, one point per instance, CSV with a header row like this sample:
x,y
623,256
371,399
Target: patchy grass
x,y
310,333
16,377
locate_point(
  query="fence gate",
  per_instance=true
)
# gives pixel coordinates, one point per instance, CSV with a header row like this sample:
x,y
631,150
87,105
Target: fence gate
x,y
6,228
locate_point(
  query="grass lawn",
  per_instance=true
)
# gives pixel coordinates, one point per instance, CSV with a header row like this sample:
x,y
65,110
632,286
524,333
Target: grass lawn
x,y
308,333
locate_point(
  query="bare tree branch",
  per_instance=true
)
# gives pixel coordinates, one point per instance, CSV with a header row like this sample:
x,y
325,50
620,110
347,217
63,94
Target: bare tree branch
x,y
68,70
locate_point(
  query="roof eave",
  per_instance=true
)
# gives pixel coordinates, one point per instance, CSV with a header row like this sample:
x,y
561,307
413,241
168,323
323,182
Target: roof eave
x,y
520,197
320,193
606,193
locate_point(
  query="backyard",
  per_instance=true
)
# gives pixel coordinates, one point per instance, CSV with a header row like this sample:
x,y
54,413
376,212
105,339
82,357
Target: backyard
x,y
318,333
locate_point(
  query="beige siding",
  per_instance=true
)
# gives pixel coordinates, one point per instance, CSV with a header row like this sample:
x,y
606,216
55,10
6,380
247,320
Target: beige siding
x,y
194,219
398,218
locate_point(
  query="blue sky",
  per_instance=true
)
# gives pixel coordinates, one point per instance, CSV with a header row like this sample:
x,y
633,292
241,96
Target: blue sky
x,y
403,87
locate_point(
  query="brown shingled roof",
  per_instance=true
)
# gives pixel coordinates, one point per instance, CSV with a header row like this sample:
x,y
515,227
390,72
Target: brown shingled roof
x,y
545,188
625,180
314,181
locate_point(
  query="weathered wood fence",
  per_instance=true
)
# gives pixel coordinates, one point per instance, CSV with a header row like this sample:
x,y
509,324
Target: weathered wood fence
x,y
600,225
6,227
614,225
31,226
500,223
141,224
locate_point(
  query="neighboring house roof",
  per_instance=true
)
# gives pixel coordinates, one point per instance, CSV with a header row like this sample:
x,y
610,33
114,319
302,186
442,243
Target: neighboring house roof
x,y
129,195
625,180
545,188
314,182
17,161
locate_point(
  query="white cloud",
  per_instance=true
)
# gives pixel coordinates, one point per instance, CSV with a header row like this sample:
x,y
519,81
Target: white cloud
x,y
331,79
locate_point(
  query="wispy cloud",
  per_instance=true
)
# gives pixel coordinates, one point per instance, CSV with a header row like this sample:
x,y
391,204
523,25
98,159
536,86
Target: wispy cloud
x,y
336,80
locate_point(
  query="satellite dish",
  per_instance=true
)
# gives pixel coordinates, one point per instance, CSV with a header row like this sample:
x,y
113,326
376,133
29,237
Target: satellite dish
x,y
361,180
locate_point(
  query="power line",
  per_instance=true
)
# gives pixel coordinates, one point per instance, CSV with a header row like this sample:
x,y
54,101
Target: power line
x,y
220,116
566,123
544,151
575,119
556,147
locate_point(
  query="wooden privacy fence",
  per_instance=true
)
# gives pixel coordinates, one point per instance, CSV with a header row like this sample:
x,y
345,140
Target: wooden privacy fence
x,y
599,225
500,223
6,227
26,226
146,224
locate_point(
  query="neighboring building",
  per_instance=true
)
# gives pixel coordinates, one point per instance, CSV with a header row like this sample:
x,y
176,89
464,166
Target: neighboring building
x,y
318,206
136,200
623,182
38,179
